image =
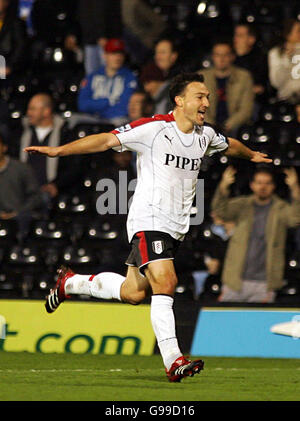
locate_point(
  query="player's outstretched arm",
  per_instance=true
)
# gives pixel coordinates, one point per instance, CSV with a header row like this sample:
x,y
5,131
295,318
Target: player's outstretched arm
x,y
238,150
89,144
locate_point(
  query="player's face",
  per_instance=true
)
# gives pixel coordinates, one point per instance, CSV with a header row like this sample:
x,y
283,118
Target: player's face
x,y
222,56
262,186
195,101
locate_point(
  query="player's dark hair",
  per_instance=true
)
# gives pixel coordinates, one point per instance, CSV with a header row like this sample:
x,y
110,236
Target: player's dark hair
x,y
180,82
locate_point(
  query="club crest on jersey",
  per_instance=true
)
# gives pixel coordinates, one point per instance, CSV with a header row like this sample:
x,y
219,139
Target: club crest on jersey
x,y
158,246
202,142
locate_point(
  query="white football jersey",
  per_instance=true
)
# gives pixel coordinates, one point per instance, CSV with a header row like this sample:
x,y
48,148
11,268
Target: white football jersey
x,y
168,163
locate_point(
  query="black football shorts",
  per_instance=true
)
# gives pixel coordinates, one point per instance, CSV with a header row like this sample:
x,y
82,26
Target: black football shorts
x,y
149,246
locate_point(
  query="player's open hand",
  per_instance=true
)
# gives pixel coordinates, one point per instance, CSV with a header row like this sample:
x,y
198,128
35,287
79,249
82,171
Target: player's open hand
x,y
259,157
44,150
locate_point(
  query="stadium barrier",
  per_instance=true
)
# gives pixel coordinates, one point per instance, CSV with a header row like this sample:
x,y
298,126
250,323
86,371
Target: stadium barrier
x,y
114,328
80,327
242,332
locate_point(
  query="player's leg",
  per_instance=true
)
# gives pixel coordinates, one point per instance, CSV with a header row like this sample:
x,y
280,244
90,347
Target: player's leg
x,y
135,288
131,289
163,280
105,285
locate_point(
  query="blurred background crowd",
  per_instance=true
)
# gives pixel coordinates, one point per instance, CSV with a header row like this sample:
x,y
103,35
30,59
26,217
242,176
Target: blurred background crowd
x,y
79,67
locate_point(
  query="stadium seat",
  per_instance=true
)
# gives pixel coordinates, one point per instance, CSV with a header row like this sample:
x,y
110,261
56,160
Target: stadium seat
x,y
285,112
8,232
268,112
289,294
49,233
102,230
294,261
20,256
71,205
8,286
86,129
108,239
51,256
245,133
81,258
21,265
262,133
41,284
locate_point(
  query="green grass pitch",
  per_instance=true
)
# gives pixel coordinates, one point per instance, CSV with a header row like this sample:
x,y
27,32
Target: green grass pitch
x,y
74,377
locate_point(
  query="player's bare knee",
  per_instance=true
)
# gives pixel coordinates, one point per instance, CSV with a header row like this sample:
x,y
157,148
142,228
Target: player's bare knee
x,y
165,284
134,299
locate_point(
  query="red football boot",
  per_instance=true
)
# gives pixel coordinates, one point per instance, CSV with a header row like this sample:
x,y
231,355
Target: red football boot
x,y
57,295
182,367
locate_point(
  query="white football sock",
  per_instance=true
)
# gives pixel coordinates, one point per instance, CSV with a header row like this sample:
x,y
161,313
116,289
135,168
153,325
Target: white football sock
x,y
163,323
106,285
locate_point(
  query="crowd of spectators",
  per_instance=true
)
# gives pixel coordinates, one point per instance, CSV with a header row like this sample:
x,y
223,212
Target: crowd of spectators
x,y
74,68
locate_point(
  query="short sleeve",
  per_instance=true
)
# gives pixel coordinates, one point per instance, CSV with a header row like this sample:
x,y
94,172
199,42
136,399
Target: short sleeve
x,y
136,136
218,142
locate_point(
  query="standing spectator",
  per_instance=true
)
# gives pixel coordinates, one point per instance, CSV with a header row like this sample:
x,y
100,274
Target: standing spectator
x,y
42,126
142,28
249,56
12,40
255,258
106,92
231,90
283,69
99,20
19,191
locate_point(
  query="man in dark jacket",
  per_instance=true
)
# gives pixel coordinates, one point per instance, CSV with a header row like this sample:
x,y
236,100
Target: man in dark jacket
x,y
42,126
249,56
19,191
